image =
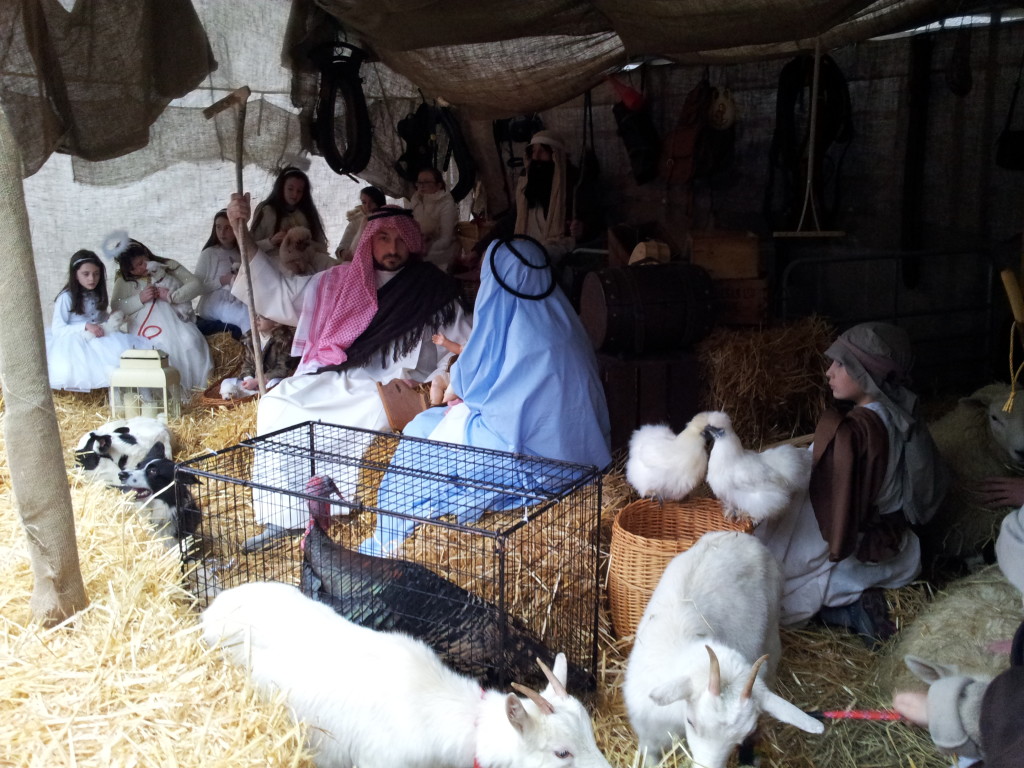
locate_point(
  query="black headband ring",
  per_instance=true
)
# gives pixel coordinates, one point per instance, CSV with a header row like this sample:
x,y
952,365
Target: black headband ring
x,y
508,243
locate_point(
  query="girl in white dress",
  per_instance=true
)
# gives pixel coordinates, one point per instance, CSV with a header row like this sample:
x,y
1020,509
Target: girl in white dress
x,y
151,316
290,204
84,343
218,310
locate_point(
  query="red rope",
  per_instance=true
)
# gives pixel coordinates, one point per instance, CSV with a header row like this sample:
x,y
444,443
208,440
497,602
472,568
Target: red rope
x,y
144,330
856,714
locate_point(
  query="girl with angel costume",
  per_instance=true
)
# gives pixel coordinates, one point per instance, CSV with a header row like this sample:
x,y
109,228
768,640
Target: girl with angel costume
x,y
84,342
150,313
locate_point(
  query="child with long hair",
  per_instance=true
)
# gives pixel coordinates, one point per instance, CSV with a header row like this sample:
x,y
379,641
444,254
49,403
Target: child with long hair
x,y
218,310
290,204
150,313
84,343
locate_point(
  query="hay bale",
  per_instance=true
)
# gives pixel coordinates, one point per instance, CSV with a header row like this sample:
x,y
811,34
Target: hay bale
x,y
770,381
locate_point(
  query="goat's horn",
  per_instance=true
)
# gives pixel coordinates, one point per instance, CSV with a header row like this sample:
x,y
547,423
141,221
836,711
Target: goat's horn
x,y
543,704
715,678
556,684
749,688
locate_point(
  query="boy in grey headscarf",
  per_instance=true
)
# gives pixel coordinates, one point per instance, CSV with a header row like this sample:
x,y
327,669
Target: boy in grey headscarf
x,y
875,472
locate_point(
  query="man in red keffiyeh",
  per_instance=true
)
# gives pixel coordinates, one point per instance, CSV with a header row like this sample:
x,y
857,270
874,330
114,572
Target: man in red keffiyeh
x,y
367,321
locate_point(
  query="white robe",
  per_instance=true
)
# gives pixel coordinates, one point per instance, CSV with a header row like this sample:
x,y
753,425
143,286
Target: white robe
x,y
348,398
810,579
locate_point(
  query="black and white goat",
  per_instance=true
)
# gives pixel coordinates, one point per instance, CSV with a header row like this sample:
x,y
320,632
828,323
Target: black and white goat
x,y
386,699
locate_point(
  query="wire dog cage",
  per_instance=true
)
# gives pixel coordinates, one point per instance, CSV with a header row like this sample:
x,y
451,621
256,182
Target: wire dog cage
x,y
489,557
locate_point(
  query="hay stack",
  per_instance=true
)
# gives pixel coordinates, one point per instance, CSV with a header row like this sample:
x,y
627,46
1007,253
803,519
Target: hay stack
x,y
770,381
129,684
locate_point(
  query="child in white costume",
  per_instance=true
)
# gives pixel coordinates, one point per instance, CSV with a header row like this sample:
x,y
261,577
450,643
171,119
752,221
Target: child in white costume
x,y
84,343
217,309
151,315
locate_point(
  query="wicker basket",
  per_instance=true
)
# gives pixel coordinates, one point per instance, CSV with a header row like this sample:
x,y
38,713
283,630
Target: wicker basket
x,y
645,537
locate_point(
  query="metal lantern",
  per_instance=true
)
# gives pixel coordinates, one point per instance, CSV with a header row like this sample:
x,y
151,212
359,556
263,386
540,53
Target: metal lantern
x,y
145,385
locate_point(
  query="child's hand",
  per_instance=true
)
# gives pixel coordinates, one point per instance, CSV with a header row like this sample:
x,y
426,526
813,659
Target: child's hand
x,y
95,330
149,293
227,279
251,384
164,294
913,706
277,237
1002,491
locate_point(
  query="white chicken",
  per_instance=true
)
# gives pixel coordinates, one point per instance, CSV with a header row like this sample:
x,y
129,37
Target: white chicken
x,y
759,485
664,464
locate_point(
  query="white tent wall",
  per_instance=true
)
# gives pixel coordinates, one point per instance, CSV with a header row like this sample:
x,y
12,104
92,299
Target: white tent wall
x,y
170,211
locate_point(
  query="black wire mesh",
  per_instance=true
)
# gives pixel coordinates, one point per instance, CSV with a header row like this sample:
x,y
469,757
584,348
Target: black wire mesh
x,y
489,557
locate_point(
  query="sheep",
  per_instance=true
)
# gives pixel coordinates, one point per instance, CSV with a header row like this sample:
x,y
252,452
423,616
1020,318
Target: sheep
x,y
162,278
118,445
385,699
977,439
710,625
959,626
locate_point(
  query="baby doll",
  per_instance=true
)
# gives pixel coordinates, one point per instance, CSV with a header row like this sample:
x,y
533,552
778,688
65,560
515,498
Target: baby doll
x,y
441,392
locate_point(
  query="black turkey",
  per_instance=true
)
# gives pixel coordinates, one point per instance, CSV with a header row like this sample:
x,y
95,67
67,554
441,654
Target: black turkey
x,y
394,595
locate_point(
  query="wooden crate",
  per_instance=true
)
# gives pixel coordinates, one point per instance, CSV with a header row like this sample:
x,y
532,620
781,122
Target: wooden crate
x,y
728,255
742,302
652,390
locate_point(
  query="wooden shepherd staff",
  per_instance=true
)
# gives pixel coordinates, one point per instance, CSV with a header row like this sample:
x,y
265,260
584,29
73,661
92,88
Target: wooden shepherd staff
x,y
238,98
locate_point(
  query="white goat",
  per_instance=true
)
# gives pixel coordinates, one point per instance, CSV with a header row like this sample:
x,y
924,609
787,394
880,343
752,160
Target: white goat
x,y
711,623
977,439
386,700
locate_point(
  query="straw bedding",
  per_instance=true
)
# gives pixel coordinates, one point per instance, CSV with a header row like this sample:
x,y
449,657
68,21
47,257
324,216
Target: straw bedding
x,y
128,683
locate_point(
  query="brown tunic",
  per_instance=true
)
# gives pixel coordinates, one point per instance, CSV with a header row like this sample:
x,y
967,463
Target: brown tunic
x,y
851,453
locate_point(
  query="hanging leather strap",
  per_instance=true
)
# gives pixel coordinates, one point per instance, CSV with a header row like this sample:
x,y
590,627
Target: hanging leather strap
x,y
339,74
1013,100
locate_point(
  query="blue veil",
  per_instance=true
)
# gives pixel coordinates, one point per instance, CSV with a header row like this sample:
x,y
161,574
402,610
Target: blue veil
x,y
529,378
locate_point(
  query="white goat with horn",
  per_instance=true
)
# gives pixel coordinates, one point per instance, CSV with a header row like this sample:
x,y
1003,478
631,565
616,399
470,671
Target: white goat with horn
x,y
381,699
710,626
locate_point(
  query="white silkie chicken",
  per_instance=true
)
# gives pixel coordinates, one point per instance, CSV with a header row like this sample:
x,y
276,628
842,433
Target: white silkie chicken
x,y
759,485
666,465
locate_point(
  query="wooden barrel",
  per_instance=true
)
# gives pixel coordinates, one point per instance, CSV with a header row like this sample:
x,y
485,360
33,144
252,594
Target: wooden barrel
x,y
647,308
